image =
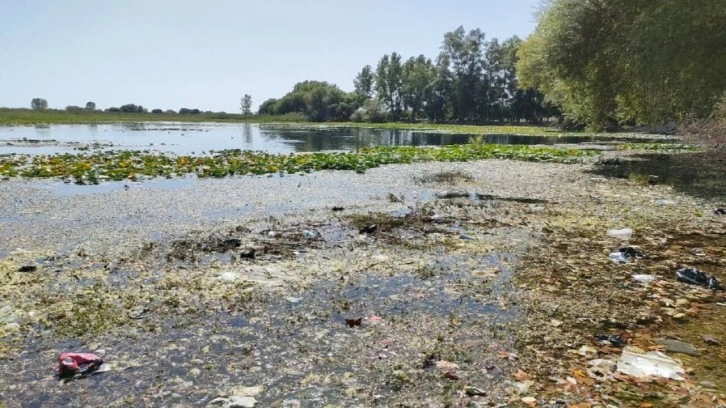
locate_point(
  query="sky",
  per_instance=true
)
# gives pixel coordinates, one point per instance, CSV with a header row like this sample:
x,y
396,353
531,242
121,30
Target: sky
x,y
170,54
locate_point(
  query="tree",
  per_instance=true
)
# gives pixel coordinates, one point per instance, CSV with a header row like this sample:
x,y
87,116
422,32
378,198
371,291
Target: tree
x,y
246,105
389,82
131,108
628,61
73,108
90,106
39,104
438,93
268,107
319,101
418,74
363,84
465,52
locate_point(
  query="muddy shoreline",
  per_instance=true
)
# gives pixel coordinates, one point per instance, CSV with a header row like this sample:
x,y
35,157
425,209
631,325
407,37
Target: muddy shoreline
x,y
456,289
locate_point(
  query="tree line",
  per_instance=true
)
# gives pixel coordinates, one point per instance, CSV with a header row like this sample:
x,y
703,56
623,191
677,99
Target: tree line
x,y
608,63
471,80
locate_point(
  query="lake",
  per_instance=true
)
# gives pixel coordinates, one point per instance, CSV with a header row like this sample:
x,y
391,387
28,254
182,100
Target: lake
x,y
198,138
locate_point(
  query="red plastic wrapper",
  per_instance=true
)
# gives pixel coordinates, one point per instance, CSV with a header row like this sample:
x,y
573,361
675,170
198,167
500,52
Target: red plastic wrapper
x,y
70,364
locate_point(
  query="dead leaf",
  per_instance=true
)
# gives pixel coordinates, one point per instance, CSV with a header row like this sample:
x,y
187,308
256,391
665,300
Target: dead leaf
x,y
530,401
521,375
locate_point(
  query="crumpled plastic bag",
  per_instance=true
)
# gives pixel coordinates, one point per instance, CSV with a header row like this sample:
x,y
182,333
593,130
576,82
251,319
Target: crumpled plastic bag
x,y
695,276
646,364
71,364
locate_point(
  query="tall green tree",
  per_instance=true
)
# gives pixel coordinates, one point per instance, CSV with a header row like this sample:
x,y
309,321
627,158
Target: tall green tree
x,y
628,61
389,83
363,84
439,92
246,105
465,52
418,74
39,104
90,106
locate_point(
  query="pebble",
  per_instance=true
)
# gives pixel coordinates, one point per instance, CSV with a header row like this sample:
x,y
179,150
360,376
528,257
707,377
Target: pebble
x,y
677,346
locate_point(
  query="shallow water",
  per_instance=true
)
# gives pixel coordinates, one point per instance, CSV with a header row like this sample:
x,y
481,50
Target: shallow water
x,y
196,138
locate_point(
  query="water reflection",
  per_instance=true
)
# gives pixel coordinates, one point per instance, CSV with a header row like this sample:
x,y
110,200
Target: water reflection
x,y
191,138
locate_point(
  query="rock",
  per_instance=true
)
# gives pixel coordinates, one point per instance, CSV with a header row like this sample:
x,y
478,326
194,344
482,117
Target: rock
x,y
242,397
677,346
653,179
28,268
474,391
710,339
555,323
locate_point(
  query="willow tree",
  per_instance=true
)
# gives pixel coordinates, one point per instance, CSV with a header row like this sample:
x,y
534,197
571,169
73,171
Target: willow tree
x,y
616,61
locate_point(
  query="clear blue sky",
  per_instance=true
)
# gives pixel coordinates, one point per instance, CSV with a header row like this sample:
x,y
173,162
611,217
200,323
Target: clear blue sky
x,y
206,54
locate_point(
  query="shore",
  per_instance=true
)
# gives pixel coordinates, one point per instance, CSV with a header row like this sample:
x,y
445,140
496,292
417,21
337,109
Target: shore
x,y
480,286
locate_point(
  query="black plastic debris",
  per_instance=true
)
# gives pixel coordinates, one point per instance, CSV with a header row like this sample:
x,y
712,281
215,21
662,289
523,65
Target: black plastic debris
x,y
697,277
369,229
613,339
336,209
720,211
247,253
28,268
631,253
625,255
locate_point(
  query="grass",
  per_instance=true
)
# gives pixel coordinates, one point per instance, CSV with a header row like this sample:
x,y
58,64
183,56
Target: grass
x,y
93,167
13,117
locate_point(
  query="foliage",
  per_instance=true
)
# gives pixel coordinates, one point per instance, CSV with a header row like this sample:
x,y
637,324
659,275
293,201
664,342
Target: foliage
x,y
131,108
39,104
363,84
74,108
318,101
91,168
90,106
626,61
246,105
418,74
187,111
389,84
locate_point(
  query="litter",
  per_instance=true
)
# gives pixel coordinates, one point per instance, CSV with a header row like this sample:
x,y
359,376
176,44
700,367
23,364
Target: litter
x,y
71,364
613,339
368,229
695,276
623,234
625,254
644,278
653,363
720,211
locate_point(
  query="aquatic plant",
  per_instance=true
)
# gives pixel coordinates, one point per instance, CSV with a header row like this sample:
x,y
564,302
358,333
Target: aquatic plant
x,y
93,167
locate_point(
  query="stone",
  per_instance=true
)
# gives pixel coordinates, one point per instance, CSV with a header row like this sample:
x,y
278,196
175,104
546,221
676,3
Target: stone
x,y
710,339
677,346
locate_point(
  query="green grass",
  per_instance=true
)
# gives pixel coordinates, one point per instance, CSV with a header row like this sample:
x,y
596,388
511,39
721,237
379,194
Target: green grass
x,y
12,117
93,167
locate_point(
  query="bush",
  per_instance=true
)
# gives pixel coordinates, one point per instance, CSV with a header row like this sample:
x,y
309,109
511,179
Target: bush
x,y
157,111
73,108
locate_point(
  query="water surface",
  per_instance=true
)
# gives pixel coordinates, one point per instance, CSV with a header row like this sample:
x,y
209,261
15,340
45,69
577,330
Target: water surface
x,y
198,138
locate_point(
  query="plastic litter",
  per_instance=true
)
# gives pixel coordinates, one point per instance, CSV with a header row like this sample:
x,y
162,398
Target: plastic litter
x,y
613,339
653,363
663,201
695,276
720,211
71,364
623,234
625,254
368,229
644,278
